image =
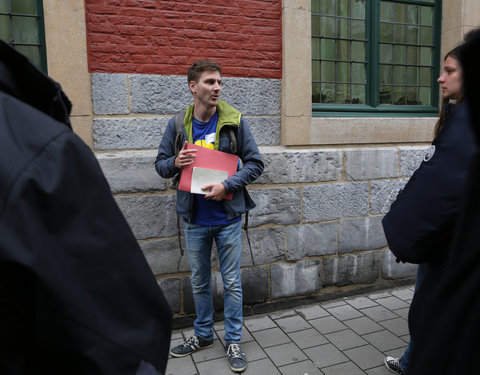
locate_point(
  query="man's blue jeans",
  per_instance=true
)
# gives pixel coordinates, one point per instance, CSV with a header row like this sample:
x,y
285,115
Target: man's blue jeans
x,y
199,240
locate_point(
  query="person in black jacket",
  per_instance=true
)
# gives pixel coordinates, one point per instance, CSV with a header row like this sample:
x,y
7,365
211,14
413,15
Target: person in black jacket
x,y
448,333
421,221
76,293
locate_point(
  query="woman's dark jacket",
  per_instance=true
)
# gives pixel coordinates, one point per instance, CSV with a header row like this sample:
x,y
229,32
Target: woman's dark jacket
x,y
420,224
76,293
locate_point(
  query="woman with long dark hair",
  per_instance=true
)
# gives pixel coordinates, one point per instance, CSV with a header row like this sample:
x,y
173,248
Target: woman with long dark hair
x,y
419,226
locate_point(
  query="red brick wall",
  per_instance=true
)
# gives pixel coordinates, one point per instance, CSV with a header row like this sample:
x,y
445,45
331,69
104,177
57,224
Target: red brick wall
x,y
166,36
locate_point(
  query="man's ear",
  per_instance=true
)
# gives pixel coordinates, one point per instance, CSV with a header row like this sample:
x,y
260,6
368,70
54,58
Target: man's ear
x,y
192,86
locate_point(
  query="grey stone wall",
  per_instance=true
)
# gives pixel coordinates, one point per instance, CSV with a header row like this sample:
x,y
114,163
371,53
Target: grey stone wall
x,y
317,224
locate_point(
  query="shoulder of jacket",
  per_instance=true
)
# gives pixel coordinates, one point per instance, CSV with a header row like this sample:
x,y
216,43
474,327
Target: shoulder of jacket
x,y
228,114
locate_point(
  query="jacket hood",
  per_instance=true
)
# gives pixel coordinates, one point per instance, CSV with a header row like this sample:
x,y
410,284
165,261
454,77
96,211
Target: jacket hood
x,y
24,81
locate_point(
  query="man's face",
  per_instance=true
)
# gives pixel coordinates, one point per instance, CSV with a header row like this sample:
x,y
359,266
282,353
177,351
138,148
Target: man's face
x,y
208,88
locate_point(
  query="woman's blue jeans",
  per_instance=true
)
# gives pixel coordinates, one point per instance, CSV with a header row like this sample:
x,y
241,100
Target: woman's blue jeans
x,y
405,360
199,240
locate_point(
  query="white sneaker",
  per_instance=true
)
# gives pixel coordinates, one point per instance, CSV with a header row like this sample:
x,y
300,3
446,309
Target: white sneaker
x,y
393,364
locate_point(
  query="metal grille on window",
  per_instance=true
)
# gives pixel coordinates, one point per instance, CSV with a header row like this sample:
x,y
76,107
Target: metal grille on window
x,y
406,45
374,54
21,25
339,51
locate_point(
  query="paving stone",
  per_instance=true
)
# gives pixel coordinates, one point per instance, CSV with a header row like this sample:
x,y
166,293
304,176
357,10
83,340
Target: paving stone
x,y
216,351
380,370
253,351
405,294
308,338
379,295
337,342
384,340
344,368
405,338
379,313
176,335
181,366
270,337
392,303
328,305
325,355
301,368
403,312
346,339
312,312
360,302
396,353
327,324
363,325
258,323
282,314
293,323
344,312
261,367
398,326
246,336
366,356
285,354
218,366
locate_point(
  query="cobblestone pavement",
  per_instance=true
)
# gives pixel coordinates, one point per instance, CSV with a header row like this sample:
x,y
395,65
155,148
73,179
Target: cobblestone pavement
x,y
350,336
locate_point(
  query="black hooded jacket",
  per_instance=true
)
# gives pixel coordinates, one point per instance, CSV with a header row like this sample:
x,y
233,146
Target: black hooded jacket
x,y
448,335
420,224
76,293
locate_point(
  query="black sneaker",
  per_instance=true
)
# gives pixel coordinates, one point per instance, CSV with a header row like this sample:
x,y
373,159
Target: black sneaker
x,y
393,364
190,346
236,358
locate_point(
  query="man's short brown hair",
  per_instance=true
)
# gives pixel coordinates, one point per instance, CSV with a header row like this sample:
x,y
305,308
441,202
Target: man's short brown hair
x,y
200,66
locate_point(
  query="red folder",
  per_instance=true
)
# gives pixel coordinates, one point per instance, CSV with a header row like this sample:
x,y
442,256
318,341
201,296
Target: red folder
x,y
211,159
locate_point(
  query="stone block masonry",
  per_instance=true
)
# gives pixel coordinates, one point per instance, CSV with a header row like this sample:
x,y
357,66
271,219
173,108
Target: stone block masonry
x,y
316,230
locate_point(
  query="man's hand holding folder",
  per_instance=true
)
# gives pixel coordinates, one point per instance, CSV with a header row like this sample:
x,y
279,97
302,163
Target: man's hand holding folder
x,y
201,158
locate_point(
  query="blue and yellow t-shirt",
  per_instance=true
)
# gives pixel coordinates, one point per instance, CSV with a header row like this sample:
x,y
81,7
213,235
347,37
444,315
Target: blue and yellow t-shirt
x,y
207,212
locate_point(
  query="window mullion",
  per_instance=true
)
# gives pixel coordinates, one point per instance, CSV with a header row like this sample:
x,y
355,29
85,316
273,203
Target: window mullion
x,y
374,53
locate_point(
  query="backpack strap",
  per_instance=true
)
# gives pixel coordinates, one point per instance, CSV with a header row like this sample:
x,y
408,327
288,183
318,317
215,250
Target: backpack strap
x,y
179,138
233,139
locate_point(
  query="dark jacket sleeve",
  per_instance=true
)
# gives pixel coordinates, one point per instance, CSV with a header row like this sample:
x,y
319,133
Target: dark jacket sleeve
x,y
97,306
165,161
424,213
252,163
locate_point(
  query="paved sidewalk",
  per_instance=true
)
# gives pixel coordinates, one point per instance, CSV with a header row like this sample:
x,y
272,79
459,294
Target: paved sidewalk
x,y
348,336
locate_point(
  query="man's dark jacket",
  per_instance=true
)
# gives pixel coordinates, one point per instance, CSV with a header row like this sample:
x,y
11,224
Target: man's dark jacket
x,y
420,224
76,293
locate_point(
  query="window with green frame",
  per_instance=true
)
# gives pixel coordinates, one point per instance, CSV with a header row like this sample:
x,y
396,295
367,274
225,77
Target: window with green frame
x,y
21,25
375,56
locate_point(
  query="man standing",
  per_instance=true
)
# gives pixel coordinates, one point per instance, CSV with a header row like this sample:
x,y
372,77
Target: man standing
x,y
207,217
